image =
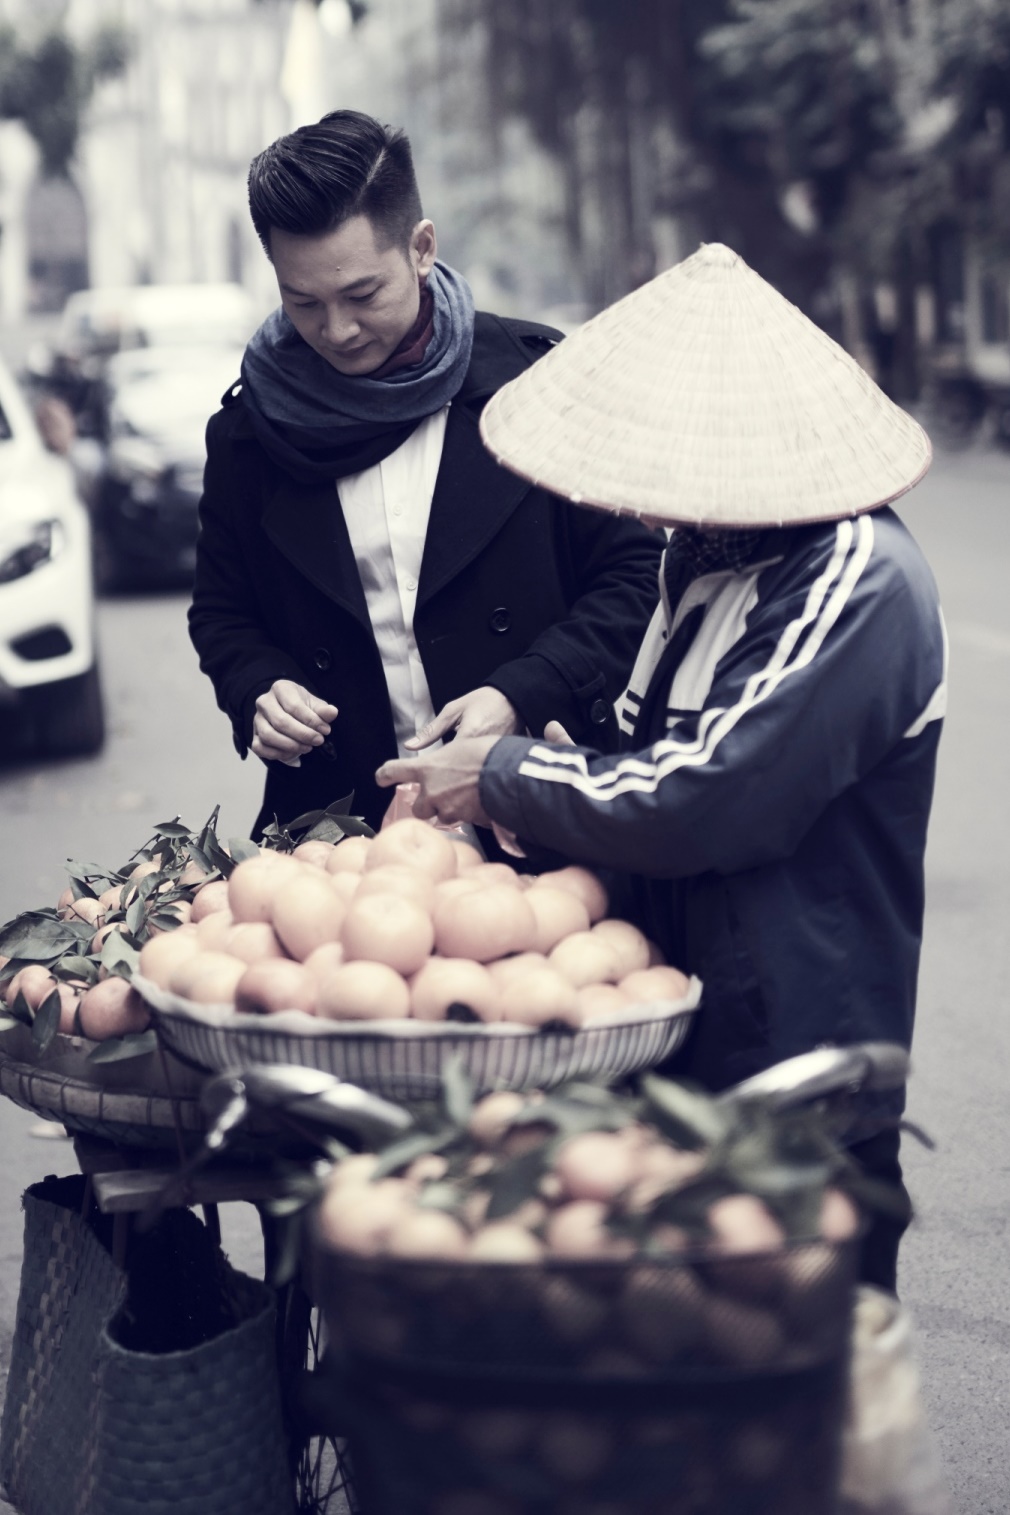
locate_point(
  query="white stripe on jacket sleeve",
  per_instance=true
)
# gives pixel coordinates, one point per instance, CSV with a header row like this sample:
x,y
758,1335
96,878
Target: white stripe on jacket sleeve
x,y
797,647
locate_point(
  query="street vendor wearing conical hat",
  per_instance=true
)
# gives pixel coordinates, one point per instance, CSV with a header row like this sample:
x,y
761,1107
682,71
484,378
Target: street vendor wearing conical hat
x,y
769,804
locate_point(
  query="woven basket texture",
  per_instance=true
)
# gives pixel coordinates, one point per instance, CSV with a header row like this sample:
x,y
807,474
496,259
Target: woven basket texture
x,y
153,1389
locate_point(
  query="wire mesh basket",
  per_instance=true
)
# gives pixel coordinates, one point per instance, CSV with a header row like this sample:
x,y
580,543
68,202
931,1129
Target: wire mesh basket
x,y
405,1059
146,1101
693,1385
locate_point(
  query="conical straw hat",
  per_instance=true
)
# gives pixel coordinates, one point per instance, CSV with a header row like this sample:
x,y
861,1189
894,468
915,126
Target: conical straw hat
x,y
705,397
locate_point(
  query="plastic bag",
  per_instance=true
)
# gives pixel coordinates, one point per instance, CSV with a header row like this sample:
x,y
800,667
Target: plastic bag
x,y
401,806
890,1465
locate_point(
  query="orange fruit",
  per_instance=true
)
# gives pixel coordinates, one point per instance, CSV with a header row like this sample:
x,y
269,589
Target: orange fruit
x,y
839,1216
397,878
86,910
631,946
467,855
321,959
192,875
742,1223
586,958
162,955
212,929
215,967
579,1229
111,899
580,882
33,981
316,853
600,1002
484,924
210,898
255,883
492,1116
505,1241
70,998
445,981
112,1008
349,855
559,913
103,933
596,1165
276,984
345,885
417,844
499,873
504,969
363,991
539,996
307,912
647,985
426,1233
181,910
387,928
359,1217
252,941
65,901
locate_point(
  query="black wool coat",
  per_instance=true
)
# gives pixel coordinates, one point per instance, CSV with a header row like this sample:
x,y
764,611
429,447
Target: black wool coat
x,y
545,601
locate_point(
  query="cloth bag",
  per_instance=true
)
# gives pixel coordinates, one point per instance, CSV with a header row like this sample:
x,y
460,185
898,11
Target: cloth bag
x,y
149,1389
889,1462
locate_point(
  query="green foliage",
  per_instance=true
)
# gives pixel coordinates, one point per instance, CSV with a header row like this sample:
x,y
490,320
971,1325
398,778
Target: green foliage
x,y
47,86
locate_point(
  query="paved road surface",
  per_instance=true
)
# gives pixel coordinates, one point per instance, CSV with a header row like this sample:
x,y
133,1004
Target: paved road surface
x,y
169,751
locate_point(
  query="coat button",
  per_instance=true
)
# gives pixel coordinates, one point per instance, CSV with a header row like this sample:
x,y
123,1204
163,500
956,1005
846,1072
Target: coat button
x,y
598,712
321,658
500,620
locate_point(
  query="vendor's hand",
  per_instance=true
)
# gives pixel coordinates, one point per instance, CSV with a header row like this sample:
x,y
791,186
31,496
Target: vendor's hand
x,y
448,779
482,712
554,732
289,721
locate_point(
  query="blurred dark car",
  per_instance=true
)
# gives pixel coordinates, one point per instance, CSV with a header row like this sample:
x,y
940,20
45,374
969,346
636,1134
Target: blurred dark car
x,y
156,402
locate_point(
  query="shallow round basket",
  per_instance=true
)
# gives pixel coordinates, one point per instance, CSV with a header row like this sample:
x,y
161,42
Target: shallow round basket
x,y
144,1101
405,1059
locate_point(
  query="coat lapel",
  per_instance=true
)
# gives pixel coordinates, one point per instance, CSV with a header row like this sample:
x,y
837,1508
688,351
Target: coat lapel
x,y
473,497
306,524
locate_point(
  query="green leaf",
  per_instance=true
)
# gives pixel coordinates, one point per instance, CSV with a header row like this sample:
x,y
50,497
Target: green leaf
x,y
47,1020
241,847
165,920
209,827
301,822
217,855
120,1048
38,936
14,965
134,916
119,956
341,806
517,1181
352,825
21,1010
457,1091
326,830
82,890
202,859
172,829
81,872
415,1144
692,1119
75,966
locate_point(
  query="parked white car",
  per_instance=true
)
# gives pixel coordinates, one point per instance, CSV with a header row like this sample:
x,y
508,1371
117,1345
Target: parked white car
x,y
50,689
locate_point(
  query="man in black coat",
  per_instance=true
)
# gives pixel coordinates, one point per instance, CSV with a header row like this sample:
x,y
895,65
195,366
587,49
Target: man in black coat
x,y
368,579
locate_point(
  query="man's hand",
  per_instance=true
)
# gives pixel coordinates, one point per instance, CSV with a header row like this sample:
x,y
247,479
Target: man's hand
x,y
482,712
448,780
288,722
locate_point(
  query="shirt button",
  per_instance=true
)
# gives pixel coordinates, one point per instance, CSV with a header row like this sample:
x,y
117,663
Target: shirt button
x,y
500,620
411,585
398,510
598,712
321,658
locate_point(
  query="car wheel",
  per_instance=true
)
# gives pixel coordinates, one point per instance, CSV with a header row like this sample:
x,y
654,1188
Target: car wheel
x,y
69,716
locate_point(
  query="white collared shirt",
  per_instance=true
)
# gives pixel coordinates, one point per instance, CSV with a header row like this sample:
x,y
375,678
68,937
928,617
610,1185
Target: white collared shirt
x,y
386,509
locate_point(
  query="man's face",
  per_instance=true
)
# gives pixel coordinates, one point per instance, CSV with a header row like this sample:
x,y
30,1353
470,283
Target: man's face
x,y
351,300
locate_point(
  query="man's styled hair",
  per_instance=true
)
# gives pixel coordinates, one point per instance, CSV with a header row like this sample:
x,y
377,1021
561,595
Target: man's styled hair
x,y
313,180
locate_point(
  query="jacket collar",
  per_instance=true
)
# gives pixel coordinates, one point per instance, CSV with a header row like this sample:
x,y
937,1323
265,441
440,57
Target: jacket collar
x,y
473,497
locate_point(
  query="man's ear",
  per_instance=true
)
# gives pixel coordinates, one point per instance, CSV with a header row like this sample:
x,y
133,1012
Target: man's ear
x,y
423,248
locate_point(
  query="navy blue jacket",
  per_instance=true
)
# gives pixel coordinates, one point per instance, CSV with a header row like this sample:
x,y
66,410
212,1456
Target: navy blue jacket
x,y
776,833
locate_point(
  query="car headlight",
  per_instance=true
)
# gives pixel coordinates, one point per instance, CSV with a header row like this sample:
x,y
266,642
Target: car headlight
x,y
25,548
